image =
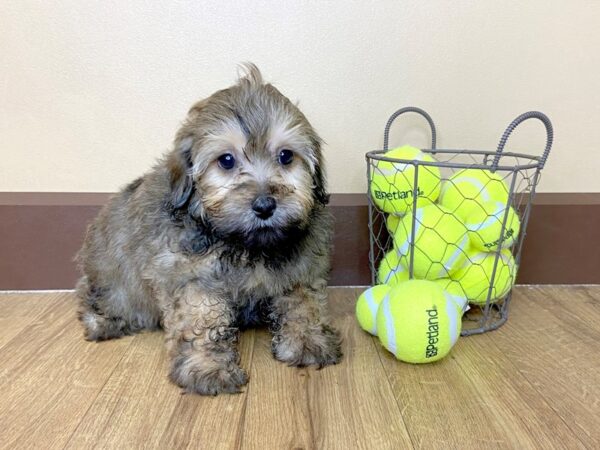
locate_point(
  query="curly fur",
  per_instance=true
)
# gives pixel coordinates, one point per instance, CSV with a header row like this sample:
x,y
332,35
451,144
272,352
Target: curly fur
x,y
181,247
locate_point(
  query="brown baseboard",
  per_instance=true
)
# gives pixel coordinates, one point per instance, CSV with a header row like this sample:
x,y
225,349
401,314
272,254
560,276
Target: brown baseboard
x,y
41,232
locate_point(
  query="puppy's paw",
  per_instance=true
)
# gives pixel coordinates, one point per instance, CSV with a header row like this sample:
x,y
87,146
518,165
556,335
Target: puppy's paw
x,y
208,378
320,346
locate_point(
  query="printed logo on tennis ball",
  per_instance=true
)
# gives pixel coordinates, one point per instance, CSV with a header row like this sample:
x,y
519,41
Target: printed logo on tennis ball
x,y
484,223
418,322
393,184
468,188
440,245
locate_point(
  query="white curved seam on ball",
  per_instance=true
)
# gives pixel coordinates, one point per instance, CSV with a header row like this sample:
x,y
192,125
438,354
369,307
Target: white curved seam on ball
x,y
482,189
372,308
460,248
389,325
491,220
392,171
403,250
459,301
452,321
392,273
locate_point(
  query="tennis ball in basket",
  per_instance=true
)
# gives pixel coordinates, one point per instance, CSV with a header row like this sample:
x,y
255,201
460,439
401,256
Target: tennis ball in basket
x,y
393,184
418,322
441,242
391,271
392,223
485,224
468,188
367,306
475,277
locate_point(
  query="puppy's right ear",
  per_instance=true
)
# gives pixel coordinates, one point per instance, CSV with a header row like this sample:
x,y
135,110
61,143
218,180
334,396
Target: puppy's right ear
x,y
180,172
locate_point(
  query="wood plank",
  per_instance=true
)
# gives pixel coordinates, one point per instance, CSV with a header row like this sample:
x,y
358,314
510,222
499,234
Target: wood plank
x,y
350,405
552,337
277,414
474,398
534,383
17,311
210,422
517,407
440,406
139,404
50,377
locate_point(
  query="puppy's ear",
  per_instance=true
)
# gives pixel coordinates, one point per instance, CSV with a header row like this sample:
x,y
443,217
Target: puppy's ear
x,y
320,193
179,164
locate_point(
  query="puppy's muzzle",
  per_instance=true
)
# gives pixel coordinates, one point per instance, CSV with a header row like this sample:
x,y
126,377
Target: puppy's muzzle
x,y
264,206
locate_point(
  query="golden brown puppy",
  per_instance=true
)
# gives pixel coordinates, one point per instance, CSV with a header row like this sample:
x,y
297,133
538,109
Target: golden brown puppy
x,y
228,230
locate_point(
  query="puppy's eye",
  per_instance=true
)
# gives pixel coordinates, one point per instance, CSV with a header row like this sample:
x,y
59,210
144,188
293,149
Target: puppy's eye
x,y
285,157
226,161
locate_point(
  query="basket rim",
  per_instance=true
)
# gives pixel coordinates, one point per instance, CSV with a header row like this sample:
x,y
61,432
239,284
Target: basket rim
x,y
378,156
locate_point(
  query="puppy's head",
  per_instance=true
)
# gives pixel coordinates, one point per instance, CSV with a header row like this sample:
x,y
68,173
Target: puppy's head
x,y
247,162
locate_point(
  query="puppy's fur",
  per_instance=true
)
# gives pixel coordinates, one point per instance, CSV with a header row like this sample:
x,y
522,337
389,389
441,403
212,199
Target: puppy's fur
x,y
182,247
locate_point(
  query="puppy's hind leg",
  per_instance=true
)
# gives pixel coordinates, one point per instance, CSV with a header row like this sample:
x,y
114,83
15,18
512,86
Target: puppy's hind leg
x,y
99,320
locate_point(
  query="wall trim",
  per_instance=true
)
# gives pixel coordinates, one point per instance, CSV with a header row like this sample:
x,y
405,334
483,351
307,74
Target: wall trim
x,y
41,232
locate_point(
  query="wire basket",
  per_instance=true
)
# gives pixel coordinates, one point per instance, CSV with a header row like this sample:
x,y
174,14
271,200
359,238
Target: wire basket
x,y
486,274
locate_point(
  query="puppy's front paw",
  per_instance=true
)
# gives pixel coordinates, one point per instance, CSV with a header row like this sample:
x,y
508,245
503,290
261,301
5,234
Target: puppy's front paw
x,y
320,346
208,378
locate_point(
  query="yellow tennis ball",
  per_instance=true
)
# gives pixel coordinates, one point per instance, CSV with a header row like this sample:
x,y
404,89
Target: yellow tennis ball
x,y
367,305
440,245
393,184
392,223
418,322
456,293
468,188
475,277
484,223
391,271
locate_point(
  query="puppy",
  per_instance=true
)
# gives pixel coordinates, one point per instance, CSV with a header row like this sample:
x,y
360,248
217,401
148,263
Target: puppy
x,y
229,230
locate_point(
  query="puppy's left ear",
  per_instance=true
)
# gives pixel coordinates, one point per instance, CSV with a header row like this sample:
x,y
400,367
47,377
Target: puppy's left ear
x,y
320,193
179,164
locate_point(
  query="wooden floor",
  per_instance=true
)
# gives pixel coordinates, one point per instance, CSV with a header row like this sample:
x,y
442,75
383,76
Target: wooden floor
x,y
535,383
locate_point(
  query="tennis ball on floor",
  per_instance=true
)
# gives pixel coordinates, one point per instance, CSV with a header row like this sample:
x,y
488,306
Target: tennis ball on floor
x,y
367,306
455,291
441,242
485,224
418,322
391,271
392,223
393,183
468,188
475,277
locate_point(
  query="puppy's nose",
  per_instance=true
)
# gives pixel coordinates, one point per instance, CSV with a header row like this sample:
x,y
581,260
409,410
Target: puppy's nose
x,y
264,206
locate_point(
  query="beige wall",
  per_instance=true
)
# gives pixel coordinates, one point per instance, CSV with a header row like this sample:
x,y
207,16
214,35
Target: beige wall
x,y
92,92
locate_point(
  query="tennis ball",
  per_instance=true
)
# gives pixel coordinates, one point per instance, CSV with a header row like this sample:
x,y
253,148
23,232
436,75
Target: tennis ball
x,y
485,224
390,270
392,223
475,277
468,188
367,305
440,242
393,183
418,322
455,291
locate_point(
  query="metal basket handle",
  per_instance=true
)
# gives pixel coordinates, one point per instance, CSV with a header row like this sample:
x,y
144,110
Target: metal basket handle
x,y
386,133
523,117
